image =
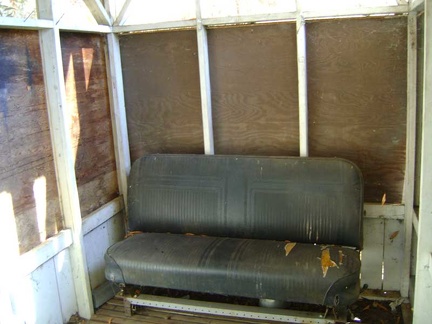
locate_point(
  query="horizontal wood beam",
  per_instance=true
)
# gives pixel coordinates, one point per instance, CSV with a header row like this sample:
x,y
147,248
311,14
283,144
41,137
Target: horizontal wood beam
x,y
156,26
33,259
384,211
99,29
102,214
19,23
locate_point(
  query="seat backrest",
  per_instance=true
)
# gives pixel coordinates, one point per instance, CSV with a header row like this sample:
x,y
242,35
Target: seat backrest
x,y
309,200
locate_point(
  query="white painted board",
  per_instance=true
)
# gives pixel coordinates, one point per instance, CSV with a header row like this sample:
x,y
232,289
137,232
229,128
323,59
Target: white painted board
x,y
372,254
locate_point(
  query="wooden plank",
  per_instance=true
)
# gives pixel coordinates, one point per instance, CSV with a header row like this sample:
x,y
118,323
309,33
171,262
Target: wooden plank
x,y
65,283
409,181
98,11
253,73
31,260
302,85
394,244
19,23
372,210
102,214
372,254
416,5
181,24
87,97
97,242
357,98
121,18
205,87
63,157
25,144
118,113
423,285
162,94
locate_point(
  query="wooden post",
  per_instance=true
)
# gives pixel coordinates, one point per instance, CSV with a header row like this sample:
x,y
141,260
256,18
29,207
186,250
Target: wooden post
x,y
302,82
63,156
408,191
118,113
204,71
423,283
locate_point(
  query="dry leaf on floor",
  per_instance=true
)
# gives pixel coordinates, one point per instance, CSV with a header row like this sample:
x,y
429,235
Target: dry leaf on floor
x,y
326,262
132,233
289,247
383,200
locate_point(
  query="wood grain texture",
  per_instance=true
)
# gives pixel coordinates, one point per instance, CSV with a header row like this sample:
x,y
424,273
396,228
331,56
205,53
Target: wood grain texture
x,y
162,93
357,98
88,105
25,143
253,72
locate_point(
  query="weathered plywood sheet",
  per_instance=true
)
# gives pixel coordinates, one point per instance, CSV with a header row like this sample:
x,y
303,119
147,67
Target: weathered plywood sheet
x,y
253,72
162,93
357,98
88,106
25,143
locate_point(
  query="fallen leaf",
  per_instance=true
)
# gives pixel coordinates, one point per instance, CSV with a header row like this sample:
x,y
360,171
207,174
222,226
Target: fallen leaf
x,y
132,233
393,235
326,262
110,320
289,247
189,234
383,200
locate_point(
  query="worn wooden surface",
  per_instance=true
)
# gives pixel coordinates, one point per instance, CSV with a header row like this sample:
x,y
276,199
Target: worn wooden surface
x,y
253,72
88,107
25,144
420,77
162,93
357,98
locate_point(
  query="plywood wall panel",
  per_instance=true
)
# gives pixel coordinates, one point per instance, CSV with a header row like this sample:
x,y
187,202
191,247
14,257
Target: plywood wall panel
x,y
162,93
357,98
25,143
88,106
253,72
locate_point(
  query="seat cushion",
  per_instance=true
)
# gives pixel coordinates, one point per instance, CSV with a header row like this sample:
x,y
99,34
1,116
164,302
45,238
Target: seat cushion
x,y
295,272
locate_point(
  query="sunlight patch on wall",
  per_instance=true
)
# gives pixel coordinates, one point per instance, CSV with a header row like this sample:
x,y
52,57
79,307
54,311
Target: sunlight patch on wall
x,y
87,54
72,105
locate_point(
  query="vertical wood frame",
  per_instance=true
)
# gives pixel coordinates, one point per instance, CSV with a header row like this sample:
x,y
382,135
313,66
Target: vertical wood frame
x,y
302,85
63,156
423,285
408,190
118,113
204,71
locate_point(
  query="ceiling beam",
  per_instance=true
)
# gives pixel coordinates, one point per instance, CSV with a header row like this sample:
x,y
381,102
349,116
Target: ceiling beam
x,y
98,11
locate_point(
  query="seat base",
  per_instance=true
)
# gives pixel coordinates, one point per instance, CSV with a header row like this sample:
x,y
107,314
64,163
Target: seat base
x,y
263,269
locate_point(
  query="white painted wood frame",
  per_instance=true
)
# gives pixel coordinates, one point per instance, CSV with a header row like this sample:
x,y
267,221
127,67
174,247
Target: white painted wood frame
x,y
423,284
98,11
416,5
408,188
63,156
302,85
118,113
205,86
102,214
122,16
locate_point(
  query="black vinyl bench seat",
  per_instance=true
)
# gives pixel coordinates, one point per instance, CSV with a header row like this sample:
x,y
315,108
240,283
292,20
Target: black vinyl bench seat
x,y
262,227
